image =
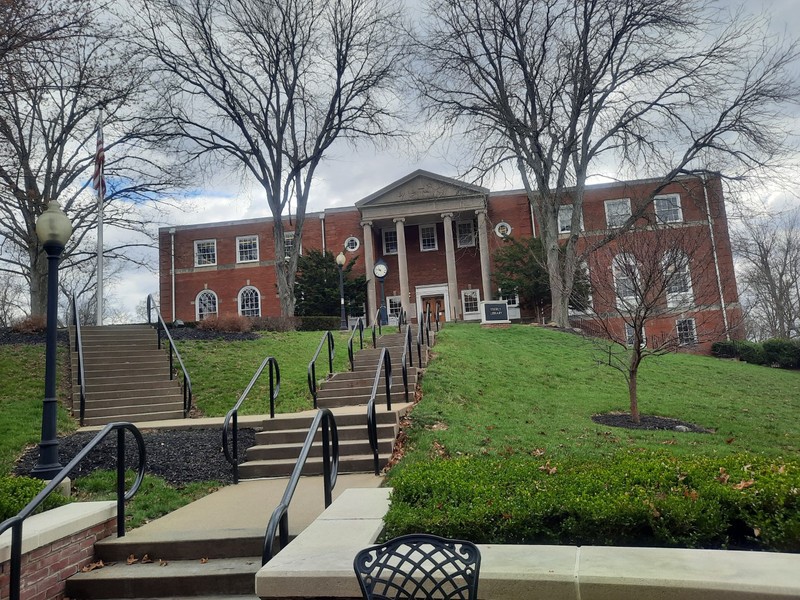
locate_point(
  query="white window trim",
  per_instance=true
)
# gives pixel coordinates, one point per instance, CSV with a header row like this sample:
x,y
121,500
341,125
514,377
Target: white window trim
x,y
617,201
667,197
356,244
435,237
511,299
502,230
210,264
471,224
628,337
243,238
694,332
197,303
239,299
383,240
621,264
567,227
291,235
679,299
475,314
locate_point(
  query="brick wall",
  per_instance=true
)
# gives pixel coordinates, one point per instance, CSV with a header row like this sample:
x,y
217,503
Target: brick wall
x,y
45,569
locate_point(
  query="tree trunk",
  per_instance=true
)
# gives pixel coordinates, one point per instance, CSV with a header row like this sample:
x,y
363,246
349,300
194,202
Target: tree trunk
x,y
633,372
38,282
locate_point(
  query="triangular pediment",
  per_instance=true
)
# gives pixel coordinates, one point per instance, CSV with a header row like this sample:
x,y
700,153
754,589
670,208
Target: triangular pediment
x,y
420,186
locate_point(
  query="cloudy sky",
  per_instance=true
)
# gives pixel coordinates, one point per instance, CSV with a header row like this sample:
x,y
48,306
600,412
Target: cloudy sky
x,y
347,175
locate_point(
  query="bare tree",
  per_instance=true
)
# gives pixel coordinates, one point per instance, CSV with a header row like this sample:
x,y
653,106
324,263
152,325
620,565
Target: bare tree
x,y
12,306
53,92
270,86
653,290
27,22
561,88
769,252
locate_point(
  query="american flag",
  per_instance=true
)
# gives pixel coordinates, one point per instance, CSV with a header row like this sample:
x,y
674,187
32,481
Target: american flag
x,y
98,177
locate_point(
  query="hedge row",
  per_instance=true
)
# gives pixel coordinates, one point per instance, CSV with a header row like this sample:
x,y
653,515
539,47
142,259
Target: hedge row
x,y
639,498
240,324
16,492
775,352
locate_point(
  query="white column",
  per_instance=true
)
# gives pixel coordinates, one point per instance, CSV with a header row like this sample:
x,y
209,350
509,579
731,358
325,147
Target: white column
x,y
483,241
369,264
453,300
402,263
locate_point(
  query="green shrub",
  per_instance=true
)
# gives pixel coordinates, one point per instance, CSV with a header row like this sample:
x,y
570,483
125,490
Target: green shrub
x,y
319,323
637,498
725,349
229,323
751,352
782,353
16,492
275,323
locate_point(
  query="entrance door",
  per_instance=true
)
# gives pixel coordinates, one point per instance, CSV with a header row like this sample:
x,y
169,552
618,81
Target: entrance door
x,y
436,305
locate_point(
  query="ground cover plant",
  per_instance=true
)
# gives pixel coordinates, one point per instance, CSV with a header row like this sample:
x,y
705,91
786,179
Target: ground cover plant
x,y
526,402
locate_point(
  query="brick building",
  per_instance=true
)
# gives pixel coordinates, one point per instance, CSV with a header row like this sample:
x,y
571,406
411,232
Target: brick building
x,y
437,237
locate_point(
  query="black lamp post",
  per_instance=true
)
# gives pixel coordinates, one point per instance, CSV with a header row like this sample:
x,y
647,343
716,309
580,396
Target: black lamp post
x,y
340,261
53,230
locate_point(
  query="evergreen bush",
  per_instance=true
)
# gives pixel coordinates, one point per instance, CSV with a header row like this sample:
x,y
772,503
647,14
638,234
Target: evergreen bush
x,y
319,323
782,353
16,492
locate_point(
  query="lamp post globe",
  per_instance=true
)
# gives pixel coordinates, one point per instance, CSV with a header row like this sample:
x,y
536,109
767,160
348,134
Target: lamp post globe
x,y
340,262
53,230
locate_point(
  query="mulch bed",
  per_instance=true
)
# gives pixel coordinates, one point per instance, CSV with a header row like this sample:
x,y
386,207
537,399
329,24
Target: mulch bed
x,y
649,422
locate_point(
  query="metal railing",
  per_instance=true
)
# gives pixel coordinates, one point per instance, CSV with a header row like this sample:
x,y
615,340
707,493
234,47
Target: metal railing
x,y
279,521
350,354
438,310
15,523
76,322
407,360
402,319
161,326
376,321
385,363
232,418
312,366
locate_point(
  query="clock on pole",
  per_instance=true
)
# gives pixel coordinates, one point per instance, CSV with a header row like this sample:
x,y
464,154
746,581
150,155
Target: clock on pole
x,y
380,270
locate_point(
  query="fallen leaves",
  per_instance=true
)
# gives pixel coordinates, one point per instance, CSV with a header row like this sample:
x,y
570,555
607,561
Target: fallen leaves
x,y
92,566
548,469
132,559
204,560
744,484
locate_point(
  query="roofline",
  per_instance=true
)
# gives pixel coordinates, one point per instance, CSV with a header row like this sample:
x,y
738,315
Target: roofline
x,y
420,173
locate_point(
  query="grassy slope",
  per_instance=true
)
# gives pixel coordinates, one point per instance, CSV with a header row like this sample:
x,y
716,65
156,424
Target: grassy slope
x,y
526,388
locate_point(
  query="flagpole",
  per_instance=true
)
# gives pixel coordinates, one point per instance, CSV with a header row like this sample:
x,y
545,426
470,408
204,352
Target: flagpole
x,y
98,180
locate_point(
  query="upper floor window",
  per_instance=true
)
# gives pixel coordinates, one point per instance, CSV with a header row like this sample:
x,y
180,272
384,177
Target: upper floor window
x,y
352,244
668,208
288,243
687,332
427,238
389,241
205,305
249,302
625,281
502,229
465,233
205,253
677,279
565,218
247,248
617,212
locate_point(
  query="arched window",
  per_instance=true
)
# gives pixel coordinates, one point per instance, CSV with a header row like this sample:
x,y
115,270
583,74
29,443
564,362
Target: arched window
x,y
677,280
205,305
249,302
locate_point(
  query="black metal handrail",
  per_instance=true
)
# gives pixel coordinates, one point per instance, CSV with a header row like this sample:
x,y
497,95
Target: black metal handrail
x,y
279,521
15,523
438,309
350,354
376,321
312,366
408,357
161,326
385,362
402,319
76,322
420,336
428,326
232,418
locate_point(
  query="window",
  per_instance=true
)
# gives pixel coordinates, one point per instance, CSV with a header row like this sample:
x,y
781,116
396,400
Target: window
x,y
511,298
352,244
389,241
393,306
247,248
565,218
502,230
630,337
427,238
668,208
205,305
617,212
470,300
625,281
205,253
687,334
465,232
249,302
678,280
288,243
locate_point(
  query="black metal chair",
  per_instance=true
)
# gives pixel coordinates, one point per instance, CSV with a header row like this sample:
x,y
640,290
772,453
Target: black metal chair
x,y
419,567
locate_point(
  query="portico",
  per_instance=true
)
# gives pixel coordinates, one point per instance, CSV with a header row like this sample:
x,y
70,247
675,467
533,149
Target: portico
x,y
432,232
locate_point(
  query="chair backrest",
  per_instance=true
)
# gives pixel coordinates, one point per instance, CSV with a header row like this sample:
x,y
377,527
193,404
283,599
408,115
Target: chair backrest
x,y
419,567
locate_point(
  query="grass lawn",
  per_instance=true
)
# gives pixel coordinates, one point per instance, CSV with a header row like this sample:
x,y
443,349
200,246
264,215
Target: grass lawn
x,y
529,390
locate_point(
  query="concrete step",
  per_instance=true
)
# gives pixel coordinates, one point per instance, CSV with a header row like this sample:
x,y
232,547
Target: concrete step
x,y
192,545
368,374
133,406
298,436
135,417
303,421
121,353
152,394
365,389
101,385
347,448
281,468
149,369
224,576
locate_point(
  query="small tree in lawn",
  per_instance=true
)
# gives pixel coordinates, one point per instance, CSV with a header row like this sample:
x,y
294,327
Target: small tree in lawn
x,y
653,271
317,285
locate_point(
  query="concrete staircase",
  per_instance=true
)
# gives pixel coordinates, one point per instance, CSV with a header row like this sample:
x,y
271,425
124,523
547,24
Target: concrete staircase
x,y
126,376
